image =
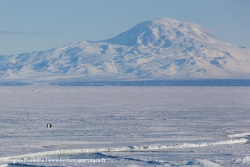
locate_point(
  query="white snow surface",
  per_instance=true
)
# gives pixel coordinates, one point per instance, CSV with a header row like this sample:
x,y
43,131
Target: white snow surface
x,y
157,49
244,160
239,135
126,126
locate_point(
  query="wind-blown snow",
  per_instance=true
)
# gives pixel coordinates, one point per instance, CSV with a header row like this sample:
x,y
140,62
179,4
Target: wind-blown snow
x,y
239,135
244,160
147,148
208,163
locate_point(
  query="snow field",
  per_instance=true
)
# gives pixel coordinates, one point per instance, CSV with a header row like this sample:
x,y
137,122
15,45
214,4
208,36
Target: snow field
x,y
140,126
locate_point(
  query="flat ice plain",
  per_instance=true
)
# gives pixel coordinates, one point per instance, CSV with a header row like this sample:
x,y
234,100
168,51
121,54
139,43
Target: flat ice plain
x,y
125,126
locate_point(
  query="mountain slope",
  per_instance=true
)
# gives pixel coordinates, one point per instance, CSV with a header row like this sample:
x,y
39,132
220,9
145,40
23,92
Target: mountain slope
x,y
157,49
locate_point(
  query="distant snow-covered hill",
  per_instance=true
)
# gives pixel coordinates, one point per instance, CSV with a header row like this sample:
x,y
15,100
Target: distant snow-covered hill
x,y
160,49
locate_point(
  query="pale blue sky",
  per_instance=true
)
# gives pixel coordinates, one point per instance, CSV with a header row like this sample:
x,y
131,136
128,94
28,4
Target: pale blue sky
x,y
33,25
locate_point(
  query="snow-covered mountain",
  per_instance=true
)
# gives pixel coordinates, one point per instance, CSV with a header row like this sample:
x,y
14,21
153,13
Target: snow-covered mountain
x,y
157,49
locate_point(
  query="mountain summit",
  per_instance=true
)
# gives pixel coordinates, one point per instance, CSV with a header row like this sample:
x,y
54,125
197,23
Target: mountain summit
x,y
159,49
160,32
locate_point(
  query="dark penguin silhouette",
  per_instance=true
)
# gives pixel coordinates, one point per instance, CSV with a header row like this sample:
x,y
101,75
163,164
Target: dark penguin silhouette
x,y
49,125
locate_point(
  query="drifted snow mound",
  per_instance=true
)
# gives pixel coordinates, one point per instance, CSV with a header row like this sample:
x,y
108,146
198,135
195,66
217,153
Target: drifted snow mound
x,y
147,148
3,165
245,160
156,49
239,135
207,163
